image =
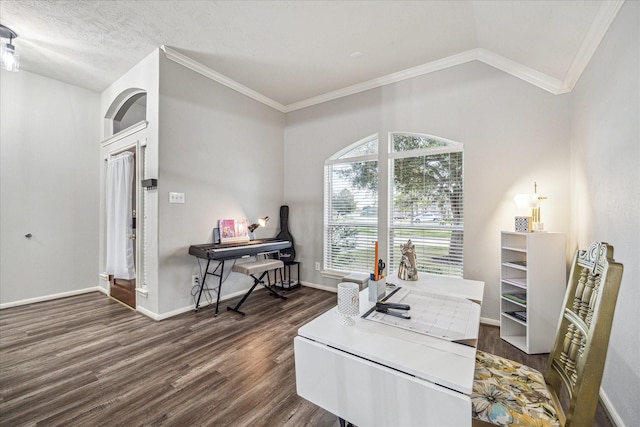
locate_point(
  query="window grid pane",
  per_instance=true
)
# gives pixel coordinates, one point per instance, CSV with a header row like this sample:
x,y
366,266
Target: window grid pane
x,y
427,207
407,142
368,147
435,249
351,249
351,216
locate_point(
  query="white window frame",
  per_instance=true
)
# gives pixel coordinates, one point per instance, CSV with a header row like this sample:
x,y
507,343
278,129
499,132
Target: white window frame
x,y
331,266
430,251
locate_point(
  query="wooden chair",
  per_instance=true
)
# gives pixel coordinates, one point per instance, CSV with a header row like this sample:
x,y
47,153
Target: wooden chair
x,y
508,393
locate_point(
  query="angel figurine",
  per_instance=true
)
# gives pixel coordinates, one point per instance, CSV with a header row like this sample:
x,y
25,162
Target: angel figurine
x,y
408,265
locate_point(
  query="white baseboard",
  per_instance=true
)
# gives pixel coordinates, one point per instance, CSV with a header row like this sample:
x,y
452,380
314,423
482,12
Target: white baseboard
x,y
321,287
148,313
52,297
167,315
611,410
489,321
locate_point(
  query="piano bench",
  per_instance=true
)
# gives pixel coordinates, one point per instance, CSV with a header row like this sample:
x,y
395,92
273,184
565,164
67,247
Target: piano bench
x,y
251,268
262,267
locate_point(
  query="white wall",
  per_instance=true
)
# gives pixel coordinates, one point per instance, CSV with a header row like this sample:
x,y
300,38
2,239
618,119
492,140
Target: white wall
x,y
605,144
224,151
49,187
513,134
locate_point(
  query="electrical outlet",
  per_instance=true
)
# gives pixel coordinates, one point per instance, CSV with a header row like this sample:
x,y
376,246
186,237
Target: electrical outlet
x,y
195,281
317,266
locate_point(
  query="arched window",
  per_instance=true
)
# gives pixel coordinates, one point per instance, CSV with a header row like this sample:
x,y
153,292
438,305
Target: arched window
x,y
132,111
351,207
127,109
425,204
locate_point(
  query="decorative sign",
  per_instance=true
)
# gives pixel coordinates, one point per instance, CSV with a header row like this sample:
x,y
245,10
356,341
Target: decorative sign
x,y
233,230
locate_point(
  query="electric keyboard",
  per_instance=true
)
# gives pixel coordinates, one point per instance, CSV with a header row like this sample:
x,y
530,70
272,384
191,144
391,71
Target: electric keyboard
x,y
222,251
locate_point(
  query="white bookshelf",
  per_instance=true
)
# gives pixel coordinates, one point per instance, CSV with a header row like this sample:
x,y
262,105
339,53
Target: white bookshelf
x,y
533,278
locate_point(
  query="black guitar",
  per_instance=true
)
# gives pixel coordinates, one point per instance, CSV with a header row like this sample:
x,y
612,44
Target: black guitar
x,y
288,254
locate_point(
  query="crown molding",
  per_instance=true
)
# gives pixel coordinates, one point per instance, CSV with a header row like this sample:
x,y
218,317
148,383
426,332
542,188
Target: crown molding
x,y
516,69
599,27
430,67
605,16
193,65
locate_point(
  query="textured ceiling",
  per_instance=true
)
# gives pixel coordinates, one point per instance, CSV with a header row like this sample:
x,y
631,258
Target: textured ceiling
x,y
291,51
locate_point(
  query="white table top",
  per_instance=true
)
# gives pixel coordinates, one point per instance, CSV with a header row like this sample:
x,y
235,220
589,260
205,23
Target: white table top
x,y
432,359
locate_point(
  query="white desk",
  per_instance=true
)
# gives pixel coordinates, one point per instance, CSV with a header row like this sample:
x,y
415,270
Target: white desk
x,y
372,374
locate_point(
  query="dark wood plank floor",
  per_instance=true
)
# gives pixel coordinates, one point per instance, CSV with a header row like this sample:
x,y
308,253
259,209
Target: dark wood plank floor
x,y
89,361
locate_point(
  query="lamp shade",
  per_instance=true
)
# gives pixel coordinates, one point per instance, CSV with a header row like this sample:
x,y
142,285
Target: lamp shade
x,y
9,59
262,222
527,201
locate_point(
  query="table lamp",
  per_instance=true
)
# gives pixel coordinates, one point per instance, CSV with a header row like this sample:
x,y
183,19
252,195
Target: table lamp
x,y
261,223
529,201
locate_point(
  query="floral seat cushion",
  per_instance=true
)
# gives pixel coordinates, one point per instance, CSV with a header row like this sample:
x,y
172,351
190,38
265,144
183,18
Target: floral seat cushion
x,y
508,393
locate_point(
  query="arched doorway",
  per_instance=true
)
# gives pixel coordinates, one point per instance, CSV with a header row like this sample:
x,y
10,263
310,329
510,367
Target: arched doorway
x,y
126,123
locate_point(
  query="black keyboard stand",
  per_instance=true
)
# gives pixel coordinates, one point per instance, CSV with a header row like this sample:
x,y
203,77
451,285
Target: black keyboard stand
x,y
204,279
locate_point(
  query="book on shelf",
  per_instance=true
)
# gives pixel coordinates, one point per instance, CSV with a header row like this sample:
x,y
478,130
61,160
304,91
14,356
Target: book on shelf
x,y
521,263
519,297
518,281
520,315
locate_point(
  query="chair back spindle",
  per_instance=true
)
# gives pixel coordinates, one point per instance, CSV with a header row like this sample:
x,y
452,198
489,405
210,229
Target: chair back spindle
x,y
577,360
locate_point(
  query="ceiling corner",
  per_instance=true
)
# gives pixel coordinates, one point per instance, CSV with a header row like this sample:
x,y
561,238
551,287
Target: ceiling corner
x,y
516,69
205,71
606,14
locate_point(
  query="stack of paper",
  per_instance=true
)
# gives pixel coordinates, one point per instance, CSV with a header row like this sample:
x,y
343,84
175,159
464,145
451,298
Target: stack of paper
x,y
519,297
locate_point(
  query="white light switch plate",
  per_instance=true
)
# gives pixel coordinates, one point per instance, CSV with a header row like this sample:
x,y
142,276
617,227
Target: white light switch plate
x,y
176,197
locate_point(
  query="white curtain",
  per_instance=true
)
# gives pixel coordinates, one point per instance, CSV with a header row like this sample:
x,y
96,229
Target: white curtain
x,y
120,249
